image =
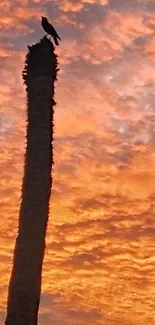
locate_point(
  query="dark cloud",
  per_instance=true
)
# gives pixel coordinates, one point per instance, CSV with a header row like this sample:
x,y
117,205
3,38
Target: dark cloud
x,y
55,246
128,6
91,14
99,255
84,315
48,299
82,260
2,317
47,318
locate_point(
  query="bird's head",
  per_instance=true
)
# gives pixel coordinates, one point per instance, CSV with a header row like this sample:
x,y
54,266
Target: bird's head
x,y
43,18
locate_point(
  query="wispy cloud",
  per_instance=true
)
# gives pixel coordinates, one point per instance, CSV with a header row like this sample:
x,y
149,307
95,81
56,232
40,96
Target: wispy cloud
x,y
99,263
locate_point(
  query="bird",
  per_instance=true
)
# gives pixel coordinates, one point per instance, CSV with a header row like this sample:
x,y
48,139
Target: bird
x,y
49,29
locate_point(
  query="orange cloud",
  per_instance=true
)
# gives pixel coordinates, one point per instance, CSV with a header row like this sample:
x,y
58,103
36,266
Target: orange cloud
x,y
99,263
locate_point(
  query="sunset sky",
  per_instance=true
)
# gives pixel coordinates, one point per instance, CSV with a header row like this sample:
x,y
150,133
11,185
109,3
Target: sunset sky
x,y
99,266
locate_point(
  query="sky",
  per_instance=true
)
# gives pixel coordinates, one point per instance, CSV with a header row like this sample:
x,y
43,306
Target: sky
x,y
99,266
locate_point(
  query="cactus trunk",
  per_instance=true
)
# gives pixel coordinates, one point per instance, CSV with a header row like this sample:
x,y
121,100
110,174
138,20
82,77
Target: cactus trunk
x,y
25,281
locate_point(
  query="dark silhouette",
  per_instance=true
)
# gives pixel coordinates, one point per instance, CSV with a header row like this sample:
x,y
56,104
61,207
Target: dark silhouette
x,y
26,276
49,29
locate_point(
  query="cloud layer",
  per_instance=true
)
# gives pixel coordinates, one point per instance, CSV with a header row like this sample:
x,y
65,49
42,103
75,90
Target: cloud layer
x,y
100,259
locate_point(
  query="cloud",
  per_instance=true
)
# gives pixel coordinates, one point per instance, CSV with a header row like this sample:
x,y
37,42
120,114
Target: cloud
x,y
84,316
99,261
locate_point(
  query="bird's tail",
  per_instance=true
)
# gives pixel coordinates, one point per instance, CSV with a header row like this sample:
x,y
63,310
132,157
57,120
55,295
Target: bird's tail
x,y
55,40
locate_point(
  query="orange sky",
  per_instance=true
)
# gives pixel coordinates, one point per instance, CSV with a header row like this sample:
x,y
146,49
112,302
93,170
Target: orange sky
x,y
100,259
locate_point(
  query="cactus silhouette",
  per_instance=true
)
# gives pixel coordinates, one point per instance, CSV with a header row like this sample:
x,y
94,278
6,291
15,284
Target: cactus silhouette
x,y
25,282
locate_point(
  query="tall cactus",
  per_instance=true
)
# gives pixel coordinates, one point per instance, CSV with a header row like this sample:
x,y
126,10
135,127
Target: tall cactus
x,y
25,282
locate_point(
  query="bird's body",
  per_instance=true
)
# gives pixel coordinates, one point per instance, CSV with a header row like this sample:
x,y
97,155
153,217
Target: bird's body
x,y
49,29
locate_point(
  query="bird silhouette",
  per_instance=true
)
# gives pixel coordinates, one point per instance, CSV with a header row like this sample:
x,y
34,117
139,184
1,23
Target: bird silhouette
x,y
49,29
